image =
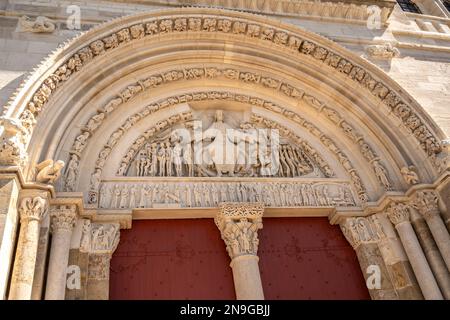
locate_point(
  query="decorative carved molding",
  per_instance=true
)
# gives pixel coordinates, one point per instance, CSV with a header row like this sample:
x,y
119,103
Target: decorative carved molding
x,y
32,208
426,202
194,193
398,213
63,217
239,224
251,29
361,230
48,171
39,25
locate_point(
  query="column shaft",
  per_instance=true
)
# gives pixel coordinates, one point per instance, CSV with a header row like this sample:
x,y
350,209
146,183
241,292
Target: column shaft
x,y
247,279
23,271
418,261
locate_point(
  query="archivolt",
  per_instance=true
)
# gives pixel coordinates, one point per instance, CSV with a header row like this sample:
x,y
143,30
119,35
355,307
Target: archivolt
x,y
195,23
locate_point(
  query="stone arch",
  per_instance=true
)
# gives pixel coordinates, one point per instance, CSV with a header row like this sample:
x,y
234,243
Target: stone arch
x,y
74,69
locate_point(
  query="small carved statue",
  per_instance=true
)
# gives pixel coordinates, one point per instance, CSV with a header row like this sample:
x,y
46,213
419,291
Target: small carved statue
x,y
49,171
410,175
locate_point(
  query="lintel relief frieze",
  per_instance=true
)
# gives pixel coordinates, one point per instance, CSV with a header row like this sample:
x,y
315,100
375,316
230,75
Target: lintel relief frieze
x,y
237,26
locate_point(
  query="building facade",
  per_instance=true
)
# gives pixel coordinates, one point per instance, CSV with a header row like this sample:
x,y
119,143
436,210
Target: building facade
x,y
259,149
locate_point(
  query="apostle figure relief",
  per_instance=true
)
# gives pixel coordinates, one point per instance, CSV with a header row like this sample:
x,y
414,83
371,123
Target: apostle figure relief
x,y
223,149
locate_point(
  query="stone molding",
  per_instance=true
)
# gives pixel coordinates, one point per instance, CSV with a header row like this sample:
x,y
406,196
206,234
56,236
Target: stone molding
x,y
239,224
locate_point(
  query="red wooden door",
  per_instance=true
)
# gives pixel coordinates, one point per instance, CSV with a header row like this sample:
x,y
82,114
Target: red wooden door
x,y
300,258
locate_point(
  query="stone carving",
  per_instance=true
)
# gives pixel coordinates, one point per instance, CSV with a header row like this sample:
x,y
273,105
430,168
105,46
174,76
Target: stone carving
x,y
104,237
85,242
398,213
410,175
98,47
194,193
39,25
382,174
48,171
12,148
32,209
99,238
63,217
224,153
239,224
426,202
71,173
362,230
382,51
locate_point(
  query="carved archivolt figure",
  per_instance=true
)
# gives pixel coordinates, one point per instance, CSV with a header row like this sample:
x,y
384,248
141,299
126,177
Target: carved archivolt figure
x,y
49,171
410,175
71,173
40,24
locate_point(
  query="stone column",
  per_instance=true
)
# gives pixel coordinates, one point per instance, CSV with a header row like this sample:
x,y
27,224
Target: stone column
x,y
395,259
239,224
31,210
40,270
363,237
432,253
426,202
63,219
398,213
102,240
9,222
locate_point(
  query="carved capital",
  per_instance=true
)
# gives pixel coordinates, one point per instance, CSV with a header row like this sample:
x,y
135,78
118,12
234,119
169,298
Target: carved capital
x,y
63,217
426,202
398,213
239,224
32,208
100,238
362,230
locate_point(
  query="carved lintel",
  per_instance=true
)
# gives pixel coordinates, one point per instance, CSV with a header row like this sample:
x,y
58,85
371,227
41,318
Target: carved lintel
x,y
33,208
239,224
398,213
63,217
426,202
